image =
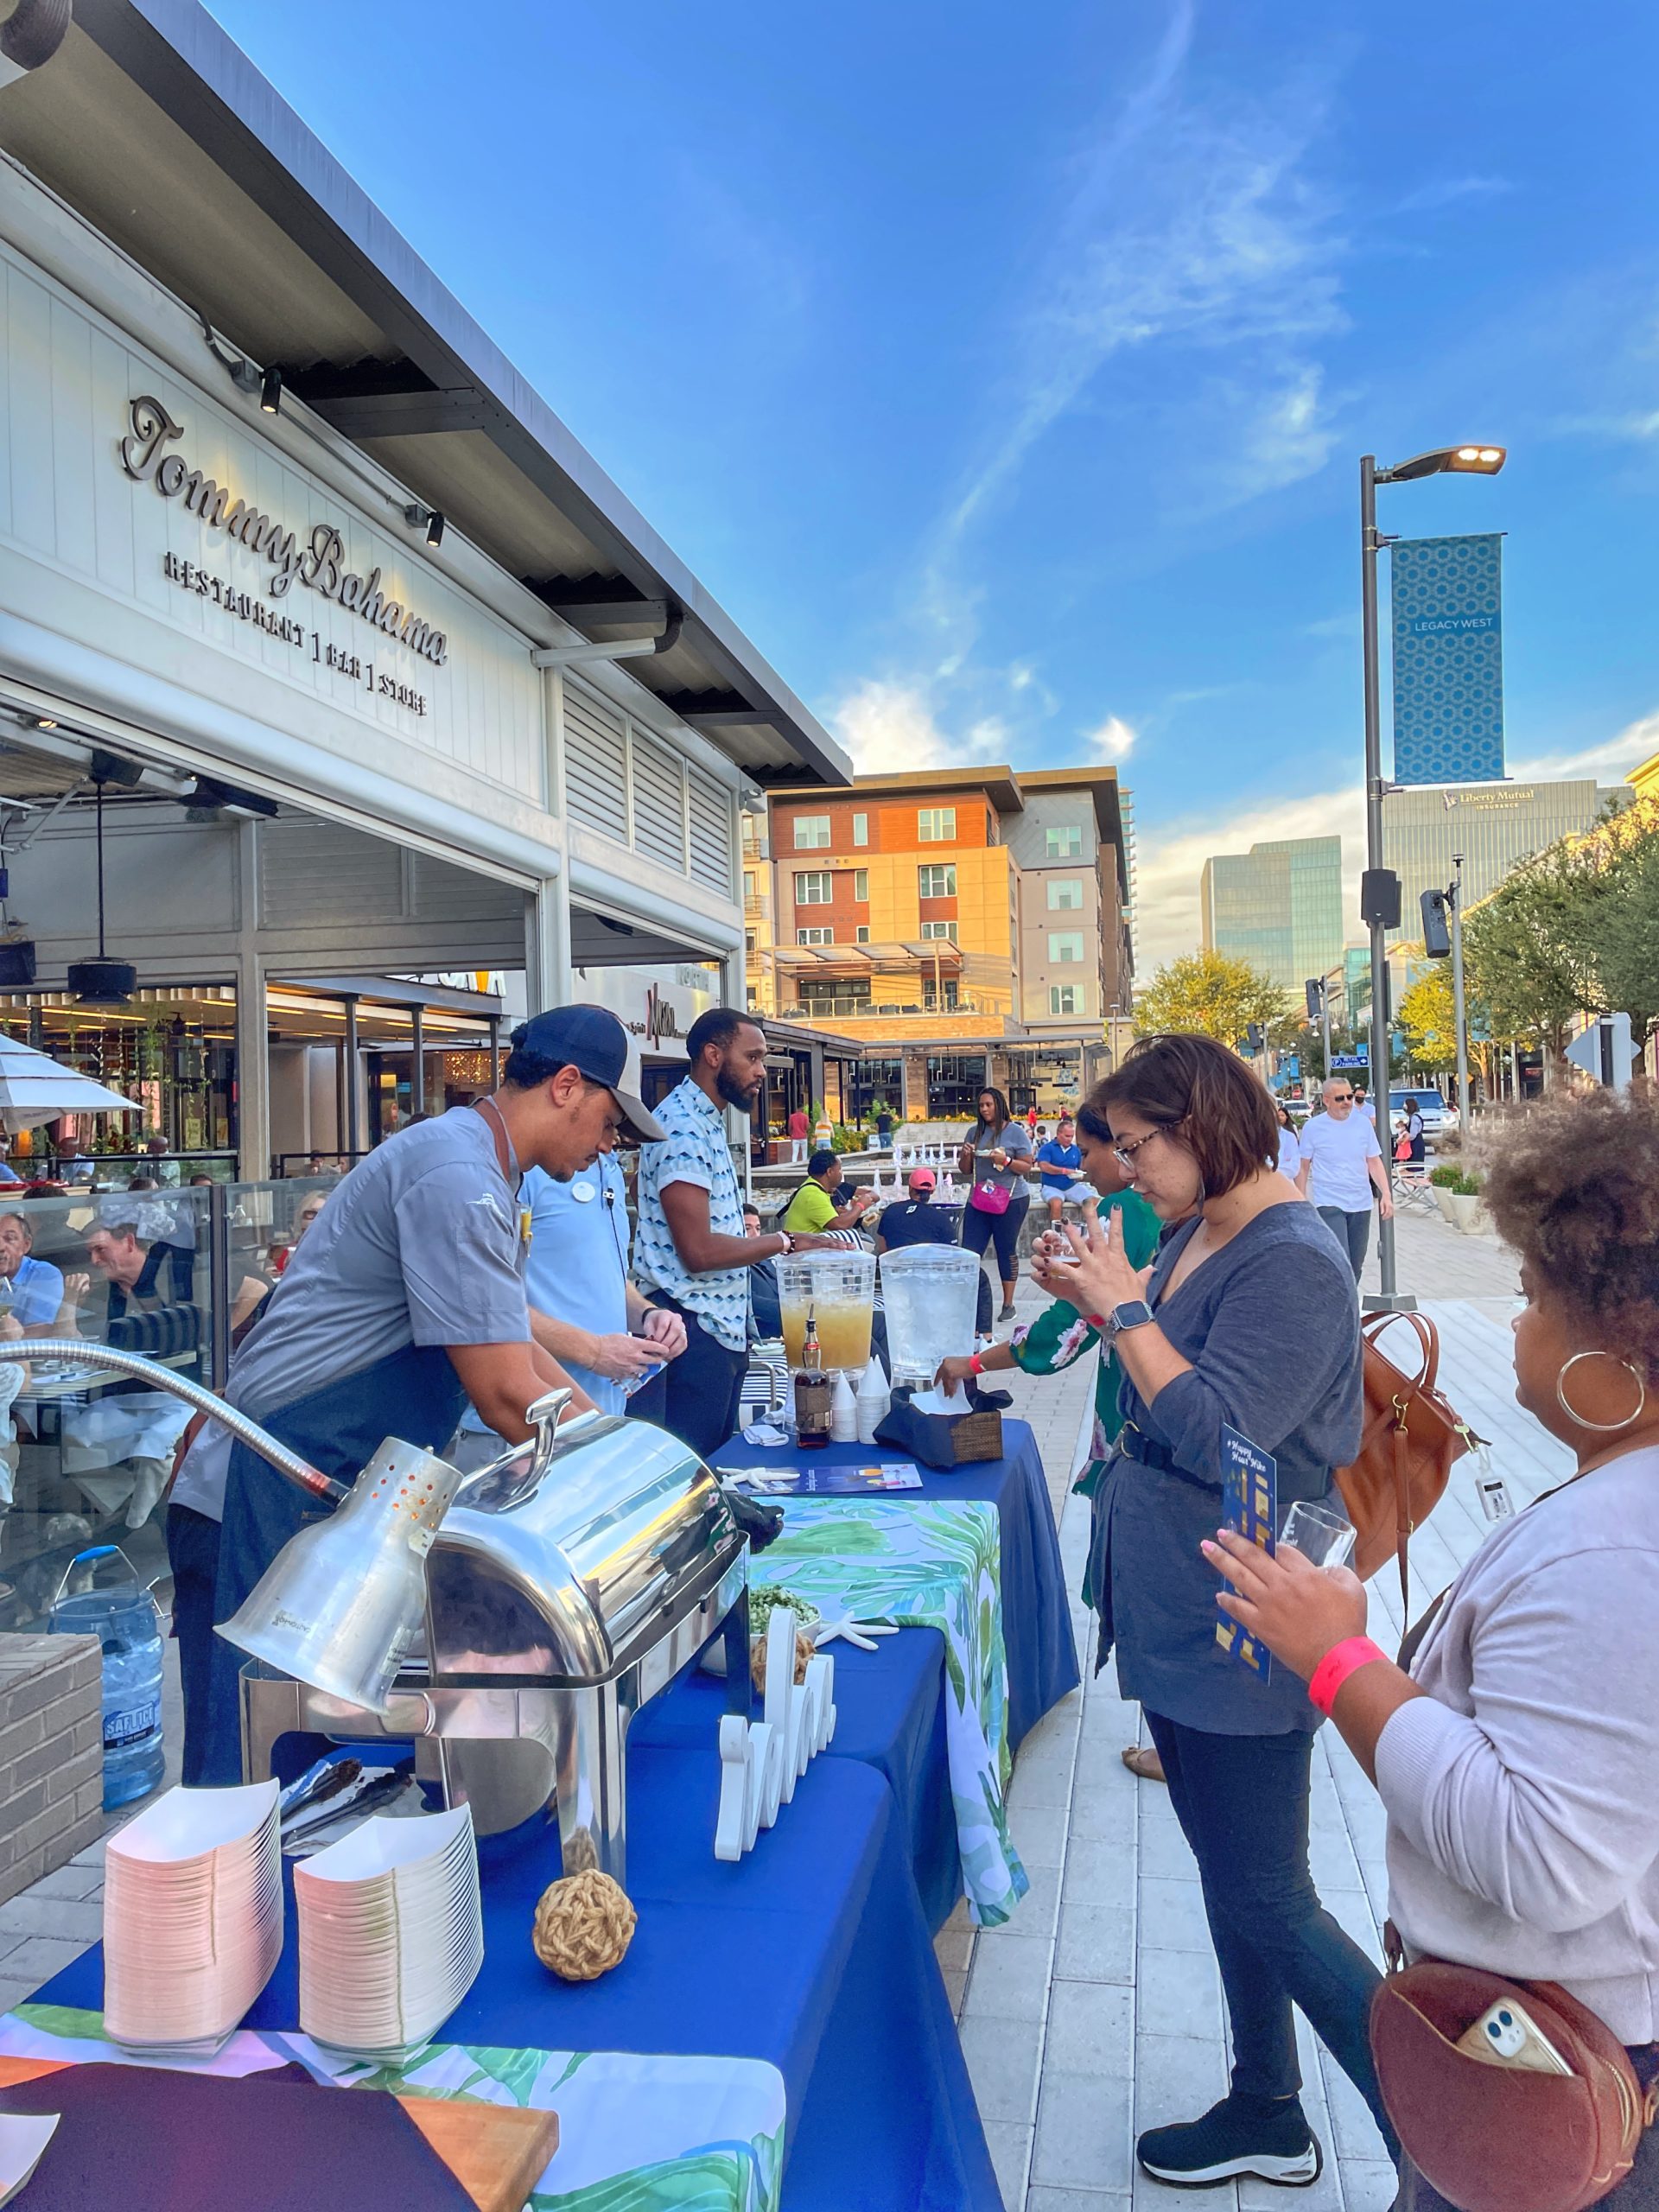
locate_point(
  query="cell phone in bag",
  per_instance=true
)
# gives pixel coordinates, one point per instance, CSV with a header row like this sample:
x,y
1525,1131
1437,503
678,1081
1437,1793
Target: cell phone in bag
x,y
1507,2034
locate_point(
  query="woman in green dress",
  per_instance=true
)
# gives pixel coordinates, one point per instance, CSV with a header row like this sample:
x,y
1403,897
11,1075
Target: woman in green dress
x,y
1060,1336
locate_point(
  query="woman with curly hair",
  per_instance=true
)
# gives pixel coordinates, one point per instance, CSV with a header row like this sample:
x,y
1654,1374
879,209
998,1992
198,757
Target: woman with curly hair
x,y
1516,1752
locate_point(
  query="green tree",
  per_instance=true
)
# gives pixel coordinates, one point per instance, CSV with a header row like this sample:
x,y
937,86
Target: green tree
x,y
1210,993
1623,930
1528,948
1427,1015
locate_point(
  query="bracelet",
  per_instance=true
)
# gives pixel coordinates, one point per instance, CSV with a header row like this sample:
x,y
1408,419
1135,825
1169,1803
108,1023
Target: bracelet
x,y
1098,1321
788,1243
976,1364
1339,1662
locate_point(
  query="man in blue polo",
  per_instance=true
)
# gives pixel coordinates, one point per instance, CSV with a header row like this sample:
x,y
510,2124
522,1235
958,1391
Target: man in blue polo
x,y
406,1300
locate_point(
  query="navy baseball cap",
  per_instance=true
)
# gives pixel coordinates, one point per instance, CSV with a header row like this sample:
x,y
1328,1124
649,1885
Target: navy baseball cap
x,y
593,1042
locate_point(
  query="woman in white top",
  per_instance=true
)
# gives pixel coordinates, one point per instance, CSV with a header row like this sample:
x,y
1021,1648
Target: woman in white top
x,y
1518,1758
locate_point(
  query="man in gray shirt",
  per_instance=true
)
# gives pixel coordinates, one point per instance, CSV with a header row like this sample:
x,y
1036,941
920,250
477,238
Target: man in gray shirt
x,y
406,1300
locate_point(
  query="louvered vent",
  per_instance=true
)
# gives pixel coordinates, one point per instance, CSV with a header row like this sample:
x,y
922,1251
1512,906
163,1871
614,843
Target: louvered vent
x,y
659,806
711,833
593,763
317,872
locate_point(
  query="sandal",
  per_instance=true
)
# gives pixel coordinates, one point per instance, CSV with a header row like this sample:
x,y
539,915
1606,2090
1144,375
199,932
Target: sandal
x,y
1142,1760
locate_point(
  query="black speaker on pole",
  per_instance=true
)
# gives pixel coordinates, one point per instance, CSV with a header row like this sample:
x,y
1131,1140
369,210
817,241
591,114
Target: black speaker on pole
x,y
16,964
1379,898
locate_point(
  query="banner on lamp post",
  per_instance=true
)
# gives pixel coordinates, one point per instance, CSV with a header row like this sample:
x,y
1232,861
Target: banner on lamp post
x,y
1446,600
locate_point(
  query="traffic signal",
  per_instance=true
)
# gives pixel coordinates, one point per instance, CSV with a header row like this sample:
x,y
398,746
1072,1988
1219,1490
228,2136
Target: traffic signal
x,y
1314,988
1437,933
1255,1036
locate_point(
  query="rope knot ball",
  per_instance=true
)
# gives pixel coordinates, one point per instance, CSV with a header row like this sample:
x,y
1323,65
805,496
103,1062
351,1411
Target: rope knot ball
x,y
583,1926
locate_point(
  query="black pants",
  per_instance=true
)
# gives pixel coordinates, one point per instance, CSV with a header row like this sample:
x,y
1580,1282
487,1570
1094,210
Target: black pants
x,y
701,1387
193,1551
1241,1802
980,1230
1352,1231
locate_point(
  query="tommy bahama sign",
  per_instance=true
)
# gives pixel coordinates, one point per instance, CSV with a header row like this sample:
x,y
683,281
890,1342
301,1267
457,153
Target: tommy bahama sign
x,y
318,563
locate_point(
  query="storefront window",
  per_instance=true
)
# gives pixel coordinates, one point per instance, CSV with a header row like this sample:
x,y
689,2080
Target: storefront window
x,y
954,1082
172,1051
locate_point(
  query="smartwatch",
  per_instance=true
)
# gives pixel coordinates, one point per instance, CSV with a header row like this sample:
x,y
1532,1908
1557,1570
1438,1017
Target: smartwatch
x,y
1133,1313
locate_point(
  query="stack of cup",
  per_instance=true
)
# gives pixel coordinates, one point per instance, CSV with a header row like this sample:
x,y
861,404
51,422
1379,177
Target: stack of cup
x,y
193,1916
391,1933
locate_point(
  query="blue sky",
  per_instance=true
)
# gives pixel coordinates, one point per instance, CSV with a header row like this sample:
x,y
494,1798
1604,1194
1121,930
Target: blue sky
x,y
1005,372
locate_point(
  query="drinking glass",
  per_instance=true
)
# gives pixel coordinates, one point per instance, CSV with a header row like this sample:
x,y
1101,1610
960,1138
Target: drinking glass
x,y
1323,1534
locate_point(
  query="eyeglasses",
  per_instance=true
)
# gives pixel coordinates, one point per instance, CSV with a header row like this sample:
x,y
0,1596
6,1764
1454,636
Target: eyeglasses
x,y
1124,1153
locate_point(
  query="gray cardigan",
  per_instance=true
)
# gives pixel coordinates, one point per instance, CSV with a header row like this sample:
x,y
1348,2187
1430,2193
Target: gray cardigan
x,y
1271,1325
1523,1791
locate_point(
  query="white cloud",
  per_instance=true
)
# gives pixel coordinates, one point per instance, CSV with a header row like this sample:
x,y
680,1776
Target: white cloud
x,y
1172,856
1171,859
890,728
1187,222
1448,191
1113,741
1636,427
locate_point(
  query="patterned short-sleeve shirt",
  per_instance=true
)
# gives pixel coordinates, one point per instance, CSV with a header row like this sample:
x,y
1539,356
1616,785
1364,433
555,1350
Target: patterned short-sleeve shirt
x,y
694,1151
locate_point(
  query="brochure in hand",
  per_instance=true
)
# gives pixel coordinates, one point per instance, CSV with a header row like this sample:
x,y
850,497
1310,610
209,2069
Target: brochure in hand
x,y
1249,1481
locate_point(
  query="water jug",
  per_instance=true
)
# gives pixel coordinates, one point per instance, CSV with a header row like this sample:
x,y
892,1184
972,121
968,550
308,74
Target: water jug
x,y
124,1618
930,1293
838,1287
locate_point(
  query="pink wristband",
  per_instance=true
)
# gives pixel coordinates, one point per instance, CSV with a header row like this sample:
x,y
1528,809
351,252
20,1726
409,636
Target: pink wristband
x,y
1339,1662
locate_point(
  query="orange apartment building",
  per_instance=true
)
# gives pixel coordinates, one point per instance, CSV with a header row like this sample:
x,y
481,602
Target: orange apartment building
x,y
967,925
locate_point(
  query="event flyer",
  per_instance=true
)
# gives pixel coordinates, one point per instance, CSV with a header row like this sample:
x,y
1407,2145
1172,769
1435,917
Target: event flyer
x,y
1249,1481
827,1482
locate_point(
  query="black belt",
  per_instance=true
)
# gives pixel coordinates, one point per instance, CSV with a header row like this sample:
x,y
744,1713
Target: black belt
x,y
1135,1443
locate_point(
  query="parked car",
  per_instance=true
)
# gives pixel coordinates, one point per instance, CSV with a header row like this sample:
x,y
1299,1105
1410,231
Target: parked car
x,y
1437,1116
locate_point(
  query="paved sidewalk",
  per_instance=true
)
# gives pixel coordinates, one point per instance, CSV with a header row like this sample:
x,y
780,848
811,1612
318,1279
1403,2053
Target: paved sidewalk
x,y
1097,2011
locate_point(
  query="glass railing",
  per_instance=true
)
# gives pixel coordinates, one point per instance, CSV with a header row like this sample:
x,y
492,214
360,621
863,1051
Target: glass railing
x,y
178,1273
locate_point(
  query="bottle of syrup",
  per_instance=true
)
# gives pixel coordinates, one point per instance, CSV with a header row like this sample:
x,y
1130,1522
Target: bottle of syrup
x,y
812,1393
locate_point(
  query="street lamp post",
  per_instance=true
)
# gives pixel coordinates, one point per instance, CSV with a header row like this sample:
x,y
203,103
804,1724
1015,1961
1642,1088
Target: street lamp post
x,y
1458,1012
1468,460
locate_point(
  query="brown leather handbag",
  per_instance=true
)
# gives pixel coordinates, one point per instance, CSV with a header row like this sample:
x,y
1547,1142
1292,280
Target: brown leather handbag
x,y
1496,2139
1411,1438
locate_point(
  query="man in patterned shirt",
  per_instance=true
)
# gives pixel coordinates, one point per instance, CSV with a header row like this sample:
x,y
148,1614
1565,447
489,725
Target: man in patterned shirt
x,y
691,1253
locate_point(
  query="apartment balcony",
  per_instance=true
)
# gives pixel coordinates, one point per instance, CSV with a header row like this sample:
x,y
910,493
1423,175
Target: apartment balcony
x,y
850,1008
756,908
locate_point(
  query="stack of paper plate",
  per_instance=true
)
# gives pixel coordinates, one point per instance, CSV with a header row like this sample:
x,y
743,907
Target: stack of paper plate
x,y
193,1915
391,1933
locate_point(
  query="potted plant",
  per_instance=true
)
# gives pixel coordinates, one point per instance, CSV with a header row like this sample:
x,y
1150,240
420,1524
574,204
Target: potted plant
x,y
1467,1210
1443,1181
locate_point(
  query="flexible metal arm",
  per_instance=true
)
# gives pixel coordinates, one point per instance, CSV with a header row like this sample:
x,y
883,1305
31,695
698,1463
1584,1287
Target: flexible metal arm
x,y
76,1352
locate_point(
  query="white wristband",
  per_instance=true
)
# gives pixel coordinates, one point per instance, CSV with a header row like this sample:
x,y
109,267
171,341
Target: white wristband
x,y
788,1243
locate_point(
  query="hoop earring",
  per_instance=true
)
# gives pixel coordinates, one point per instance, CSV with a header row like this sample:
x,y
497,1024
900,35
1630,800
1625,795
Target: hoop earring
x,y
1600,1427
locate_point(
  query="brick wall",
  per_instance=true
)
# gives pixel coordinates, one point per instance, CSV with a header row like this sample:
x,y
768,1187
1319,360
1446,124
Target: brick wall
x,y
51,1754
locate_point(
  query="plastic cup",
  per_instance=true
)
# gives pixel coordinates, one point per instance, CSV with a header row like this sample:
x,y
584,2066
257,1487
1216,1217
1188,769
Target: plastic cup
x,y
1323,1535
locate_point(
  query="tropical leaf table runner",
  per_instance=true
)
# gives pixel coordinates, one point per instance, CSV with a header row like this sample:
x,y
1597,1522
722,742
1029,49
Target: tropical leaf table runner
x,y
926,1564
636,2134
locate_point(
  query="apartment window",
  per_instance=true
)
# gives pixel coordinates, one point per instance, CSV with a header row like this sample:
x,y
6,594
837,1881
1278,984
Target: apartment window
x,y
749,881
1063,946
815,936
861,934
748,940
936,826
1065,844
940,929
940,998
1064,894
861,828
811,830
812,887
1065,998
936,879
861,885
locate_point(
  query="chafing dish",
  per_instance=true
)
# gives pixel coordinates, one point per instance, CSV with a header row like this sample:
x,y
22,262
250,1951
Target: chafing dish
x,y
566,1585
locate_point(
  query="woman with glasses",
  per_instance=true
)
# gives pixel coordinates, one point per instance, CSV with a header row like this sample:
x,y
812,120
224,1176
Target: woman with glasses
x,y
1245,1322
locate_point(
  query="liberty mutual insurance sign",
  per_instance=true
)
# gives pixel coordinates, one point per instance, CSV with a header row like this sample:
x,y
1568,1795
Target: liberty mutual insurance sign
x,y
1446,597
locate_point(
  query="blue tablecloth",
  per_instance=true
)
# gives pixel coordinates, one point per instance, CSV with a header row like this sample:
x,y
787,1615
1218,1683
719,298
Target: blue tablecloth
x,y
812,1953
1036,1611
889,1714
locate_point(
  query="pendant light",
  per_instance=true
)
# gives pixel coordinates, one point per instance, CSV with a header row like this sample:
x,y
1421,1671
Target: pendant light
x,y
102,982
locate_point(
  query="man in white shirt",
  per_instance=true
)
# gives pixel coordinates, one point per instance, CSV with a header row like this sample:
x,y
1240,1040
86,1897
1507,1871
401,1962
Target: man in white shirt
x,y
1341,1164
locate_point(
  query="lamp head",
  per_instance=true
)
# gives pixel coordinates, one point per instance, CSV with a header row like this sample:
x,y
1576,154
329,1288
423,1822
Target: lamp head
x,y
342,1602
1456,461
